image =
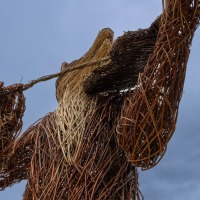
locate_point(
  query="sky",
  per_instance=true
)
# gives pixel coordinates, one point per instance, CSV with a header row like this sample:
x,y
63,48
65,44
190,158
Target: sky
x,y
37,36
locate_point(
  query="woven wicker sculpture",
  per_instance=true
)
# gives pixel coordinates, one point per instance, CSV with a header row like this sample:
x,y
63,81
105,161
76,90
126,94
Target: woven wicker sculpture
x,y
112,117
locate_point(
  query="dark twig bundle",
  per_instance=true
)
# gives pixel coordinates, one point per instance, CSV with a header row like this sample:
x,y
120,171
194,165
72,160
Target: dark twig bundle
x,y
129,56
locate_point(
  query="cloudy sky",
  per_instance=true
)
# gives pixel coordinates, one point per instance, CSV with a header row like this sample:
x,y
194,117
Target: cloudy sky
x,y
37,36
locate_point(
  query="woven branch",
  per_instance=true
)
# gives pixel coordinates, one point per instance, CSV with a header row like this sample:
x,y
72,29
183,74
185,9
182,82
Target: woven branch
x,y
24,87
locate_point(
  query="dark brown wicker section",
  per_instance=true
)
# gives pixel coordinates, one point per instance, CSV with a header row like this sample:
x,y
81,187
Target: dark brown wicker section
x,y
129,56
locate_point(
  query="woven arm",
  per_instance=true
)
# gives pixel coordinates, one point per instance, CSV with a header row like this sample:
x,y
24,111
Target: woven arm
x,y
17,166
12,107
149,116
14,153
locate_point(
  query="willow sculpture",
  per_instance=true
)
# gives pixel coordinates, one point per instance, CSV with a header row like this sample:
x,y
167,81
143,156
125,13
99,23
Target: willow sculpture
x,y
113,115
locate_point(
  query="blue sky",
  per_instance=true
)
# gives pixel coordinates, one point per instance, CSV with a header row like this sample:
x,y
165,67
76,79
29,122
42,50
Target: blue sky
x,y
37,36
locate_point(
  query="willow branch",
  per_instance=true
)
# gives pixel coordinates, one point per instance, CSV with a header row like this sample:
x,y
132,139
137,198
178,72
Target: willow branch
x,y
51,76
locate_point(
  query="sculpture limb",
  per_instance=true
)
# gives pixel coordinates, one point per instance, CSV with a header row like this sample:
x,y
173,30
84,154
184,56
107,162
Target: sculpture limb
x,y
149,115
